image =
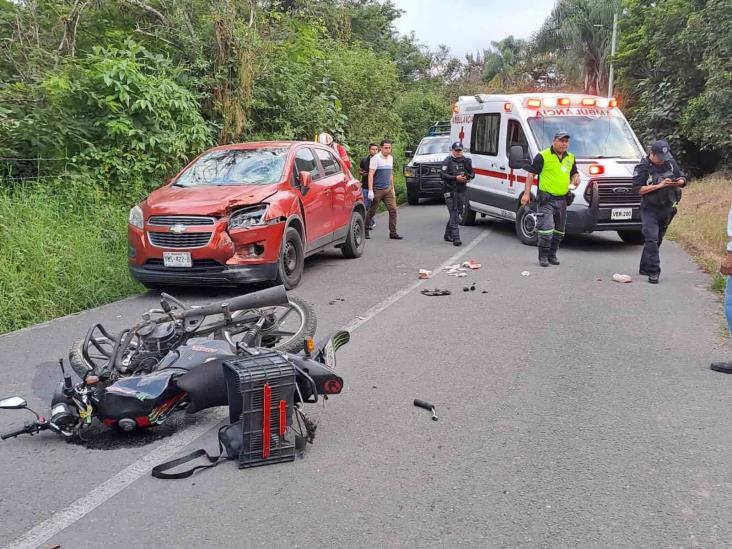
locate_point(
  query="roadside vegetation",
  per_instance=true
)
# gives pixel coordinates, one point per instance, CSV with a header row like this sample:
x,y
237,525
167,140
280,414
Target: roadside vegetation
x,y
700,227
101,102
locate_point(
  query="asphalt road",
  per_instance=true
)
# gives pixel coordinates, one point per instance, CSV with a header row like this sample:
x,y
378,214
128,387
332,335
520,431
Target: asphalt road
x,y
574,412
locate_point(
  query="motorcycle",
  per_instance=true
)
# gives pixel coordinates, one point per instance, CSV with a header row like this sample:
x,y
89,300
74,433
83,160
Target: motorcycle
x,y
167,362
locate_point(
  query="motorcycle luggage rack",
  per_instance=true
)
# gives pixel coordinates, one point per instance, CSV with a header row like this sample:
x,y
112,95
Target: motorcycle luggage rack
x,y
261,389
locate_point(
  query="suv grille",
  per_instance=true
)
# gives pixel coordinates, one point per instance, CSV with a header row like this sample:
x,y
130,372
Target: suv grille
x,y
429,176
171,240
617,192
188,220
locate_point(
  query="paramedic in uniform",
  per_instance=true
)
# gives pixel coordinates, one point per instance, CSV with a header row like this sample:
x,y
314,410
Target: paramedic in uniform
x,y
456,171
658,179
556,169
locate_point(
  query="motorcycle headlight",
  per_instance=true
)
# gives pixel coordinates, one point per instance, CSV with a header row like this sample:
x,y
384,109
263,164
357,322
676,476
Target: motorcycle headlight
x,y
136,217
408,171
248,217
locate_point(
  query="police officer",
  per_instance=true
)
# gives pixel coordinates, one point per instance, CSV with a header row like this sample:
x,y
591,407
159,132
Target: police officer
x,y
456,171
557,170
658,179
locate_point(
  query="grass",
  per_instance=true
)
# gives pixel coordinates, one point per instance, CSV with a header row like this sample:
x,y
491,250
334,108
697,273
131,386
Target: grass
x,y
63,249
701,224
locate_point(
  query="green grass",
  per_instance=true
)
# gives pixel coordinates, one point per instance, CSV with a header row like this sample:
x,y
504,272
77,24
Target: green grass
x,y
64,249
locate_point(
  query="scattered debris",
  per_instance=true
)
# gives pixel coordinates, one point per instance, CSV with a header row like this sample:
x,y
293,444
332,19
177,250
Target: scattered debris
x,y
426,406
484,291
472,264
456,270
466,289
334,301
623,278
424,273
472,287
436,291
525,273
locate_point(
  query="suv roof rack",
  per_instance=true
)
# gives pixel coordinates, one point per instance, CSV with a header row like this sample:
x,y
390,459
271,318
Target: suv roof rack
x,y
441,127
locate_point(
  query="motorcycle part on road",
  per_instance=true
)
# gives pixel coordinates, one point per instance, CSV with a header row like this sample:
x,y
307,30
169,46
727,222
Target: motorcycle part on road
x,y
427,406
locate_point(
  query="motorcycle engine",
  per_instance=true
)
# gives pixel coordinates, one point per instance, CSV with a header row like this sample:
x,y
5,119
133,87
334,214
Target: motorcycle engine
x,y
159,338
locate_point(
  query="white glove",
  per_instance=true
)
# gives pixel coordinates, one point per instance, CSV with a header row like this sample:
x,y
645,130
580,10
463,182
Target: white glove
x,y
371,195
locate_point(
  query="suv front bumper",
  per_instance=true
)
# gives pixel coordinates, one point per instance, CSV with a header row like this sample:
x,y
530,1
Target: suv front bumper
x,y
203,275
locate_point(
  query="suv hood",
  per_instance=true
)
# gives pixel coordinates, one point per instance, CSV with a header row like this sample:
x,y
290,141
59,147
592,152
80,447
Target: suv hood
x,y
205,200
428,159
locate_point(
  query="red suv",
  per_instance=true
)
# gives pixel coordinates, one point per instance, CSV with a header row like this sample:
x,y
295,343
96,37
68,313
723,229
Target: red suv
x,y
250,212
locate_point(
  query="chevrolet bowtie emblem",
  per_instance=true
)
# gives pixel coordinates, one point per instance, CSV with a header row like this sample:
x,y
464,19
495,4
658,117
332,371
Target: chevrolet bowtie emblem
x,y
178,228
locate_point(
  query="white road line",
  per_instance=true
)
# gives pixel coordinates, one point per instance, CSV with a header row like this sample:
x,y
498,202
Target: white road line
x,y
141,467
389,301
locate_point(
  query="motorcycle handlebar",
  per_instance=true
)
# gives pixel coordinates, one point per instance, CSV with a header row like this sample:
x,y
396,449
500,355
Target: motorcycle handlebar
x,y
270,297
22,431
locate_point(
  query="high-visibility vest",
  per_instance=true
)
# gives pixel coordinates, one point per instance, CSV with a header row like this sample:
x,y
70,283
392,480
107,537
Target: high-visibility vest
x,y
554,177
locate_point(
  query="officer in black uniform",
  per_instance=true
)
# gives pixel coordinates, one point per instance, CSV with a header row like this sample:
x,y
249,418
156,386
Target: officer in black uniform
x,y
658,179
456,171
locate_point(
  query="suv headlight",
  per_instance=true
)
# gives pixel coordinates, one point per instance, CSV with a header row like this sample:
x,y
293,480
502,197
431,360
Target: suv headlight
x,y
136,217
409,171
248,217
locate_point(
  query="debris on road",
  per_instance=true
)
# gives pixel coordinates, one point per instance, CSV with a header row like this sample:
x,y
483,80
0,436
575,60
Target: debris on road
x,y
436,291
525,273
427,406
424,273
622,278
466,289
472,264
456,270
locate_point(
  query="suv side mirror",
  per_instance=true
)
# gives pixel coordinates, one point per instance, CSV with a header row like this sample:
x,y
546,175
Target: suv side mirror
x,y
305,179
408,154
517,158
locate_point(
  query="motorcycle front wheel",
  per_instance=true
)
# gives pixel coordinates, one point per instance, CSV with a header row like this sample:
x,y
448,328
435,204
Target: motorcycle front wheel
x,y
287,328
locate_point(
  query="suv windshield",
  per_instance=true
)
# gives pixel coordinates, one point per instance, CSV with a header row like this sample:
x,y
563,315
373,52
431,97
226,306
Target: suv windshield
x,y
434,146
590,136
236,167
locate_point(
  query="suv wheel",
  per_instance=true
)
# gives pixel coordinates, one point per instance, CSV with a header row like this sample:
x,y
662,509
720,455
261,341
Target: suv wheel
x,y
526,227
412,194
355,241
292,259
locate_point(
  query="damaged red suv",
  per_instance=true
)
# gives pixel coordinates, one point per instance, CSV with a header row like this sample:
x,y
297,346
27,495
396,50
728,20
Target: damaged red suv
x,y
250,212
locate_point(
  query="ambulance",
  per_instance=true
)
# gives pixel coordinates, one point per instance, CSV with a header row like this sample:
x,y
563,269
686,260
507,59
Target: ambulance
x,y
503,133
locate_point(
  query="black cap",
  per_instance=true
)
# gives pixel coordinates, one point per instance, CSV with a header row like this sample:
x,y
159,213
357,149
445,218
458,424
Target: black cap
x,y
561,134
661,149
457,146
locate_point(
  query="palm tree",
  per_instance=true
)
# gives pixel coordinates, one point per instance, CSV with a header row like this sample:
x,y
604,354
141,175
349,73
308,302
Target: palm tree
x,y
579,32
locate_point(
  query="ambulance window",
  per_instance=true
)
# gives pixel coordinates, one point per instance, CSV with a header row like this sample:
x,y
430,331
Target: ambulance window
x,y
515,136
484,139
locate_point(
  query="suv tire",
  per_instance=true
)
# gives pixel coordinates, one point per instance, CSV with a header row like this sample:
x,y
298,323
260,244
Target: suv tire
x,y
526,227
356,238
412,194
292,259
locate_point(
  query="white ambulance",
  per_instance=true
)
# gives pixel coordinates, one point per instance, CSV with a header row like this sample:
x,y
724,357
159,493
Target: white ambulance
x,y
601,139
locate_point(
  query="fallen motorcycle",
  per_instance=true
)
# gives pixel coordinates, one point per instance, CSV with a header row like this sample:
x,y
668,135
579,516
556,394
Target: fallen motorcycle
x,y
174,360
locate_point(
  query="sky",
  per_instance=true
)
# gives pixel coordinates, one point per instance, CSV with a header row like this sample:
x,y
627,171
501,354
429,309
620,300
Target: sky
x,y
470,26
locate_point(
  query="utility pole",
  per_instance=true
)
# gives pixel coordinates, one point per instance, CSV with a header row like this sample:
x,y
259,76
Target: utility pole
x,y
612,55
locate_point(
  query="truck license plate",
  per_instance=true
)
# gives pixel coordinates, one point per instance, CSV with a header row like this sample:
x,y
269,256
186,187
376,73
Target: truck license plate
x,y
619,214
177,259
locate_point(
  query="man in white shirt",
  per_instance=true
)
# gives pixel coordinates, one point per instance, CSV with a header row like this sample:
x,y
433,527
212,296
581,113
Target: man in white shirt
x,y
381,187
726,270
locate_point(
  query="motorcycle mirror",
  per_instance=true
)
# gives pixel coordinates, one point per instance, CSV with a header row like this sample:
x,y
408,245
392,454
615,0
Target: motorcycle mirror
x,y
13,403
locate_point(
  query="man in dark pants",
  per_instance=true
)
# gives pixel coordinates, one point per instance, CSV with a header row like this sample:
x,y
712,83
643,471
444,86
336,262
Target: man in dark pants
x,y
659,180
364,171
456,171
557,170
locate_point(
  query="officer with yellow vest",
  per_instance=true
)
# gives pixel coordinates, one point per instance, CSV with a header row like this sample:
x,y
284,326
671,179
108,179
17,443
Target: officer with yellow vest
x,y
557,170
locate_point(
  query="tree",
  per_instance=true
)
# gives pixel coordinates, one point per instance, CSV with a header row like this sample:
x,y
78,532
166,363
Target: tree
x,y
578,32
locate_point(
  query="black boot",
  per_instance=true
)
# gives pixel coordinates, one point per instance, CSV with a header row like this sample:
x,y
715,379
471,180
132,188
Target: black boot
x,y
544,257
552,257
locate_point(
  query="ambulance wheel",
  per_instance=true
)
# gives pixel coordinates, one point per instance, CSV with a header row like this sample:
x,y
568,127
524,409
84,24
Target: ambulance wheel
x,y
467,218
631,237
412,195
526,227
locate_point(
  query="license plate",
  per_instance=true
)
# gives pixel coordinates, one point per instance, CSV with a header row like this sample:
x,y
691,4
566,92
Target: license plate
x,y
619,214
177,259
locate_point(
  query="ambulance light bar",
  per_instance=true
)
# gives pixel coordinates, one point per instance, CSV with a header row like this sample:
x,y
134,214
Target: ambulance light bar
x,y
536,103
